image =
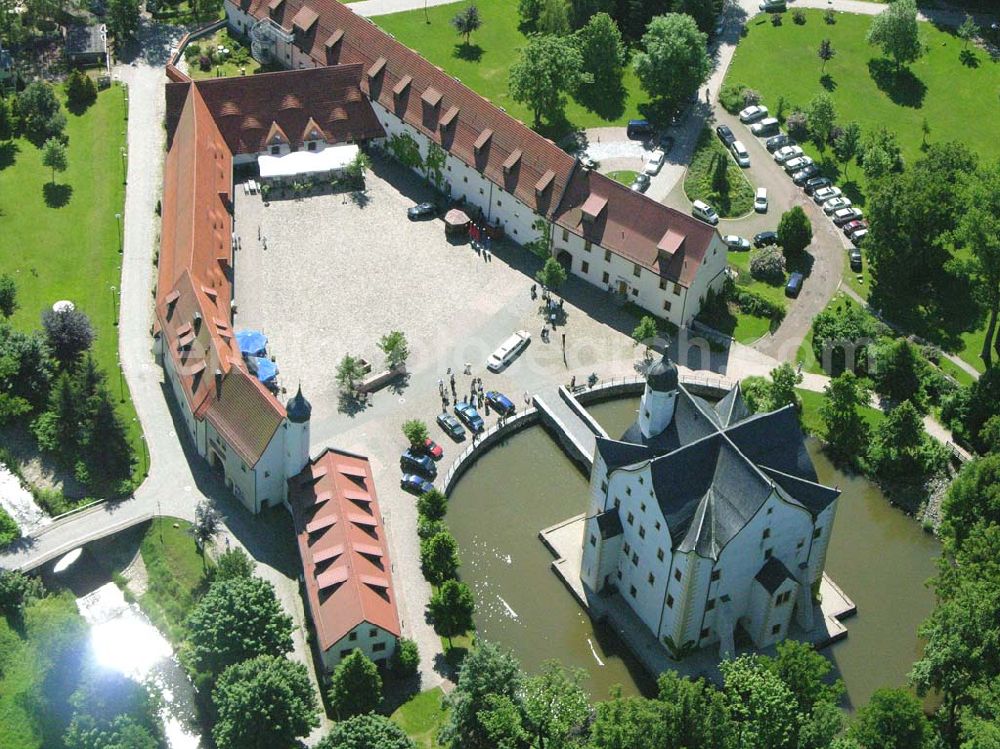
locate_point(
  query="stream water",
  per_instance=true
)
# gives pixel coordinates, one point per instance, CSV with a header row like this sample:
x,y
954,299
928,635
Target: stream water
x,y
880,557
122,639
19,503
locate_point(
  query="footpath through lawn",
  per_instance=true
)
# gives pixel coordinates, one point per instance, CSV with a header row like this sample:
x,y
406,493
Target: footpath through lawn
x,y
61,241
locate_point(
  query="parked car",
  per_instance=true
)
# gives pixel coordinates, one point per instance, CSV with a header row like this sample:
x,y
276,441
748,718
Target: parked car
x,y
452,426
787,152
856,262
846,215
767,126
780,140
764,238
824,194
852,226
655,162
507,351
500,402
432,449
858,237
805,174
421,211
413,462
641,183
740,153
760,200
469,416
735,242
725,135
639,129
816,183
415,484
835,204
799,162
705,212
666,142
794,285
753,113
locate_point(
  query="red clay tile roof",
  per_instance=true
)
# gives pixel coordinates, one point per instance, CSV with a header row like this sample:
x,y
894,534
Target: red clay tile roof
x,y
364,43
345,557
632,225
245,414
246,107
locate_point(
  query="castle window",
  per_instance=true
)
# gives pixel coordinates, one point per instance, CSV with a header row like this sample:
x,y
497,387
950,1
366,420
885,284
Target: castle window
x,y
677,575
817,533
605,277
635,292
636,269
710,605
776,629
642,481
587,245
628,490
642,532
565,235
353,636
607,256
659,554
801,543
663,284
767,533
666,305
642,506
345,652
715,575
604,486
651,580
705,633
670,601
373,632
677,289
770,510
584,266
593,540
275,150
631,591
767,553
783,598
631,518
626,548
378,647
657,525
618,503
635,559
311,145
619,574
465,179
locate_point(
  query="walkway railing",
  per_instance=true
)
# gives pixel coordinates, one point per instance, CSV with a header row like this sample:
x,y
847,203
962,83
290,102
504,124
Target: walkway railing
x,y
484,441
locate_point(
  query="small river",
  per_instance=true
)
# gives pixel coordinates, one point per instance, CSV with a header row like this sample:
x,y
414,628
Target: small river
x,y
879,556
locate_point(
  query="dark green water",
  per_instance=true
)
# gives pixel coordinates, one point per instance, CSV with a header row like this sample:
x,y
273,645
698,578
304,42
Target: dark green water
x,y
880,557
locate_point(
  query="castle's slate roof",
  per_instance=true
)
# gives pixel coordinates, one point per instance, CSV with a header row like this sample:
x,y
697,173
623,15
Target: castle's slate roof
x,y
714,467
773,574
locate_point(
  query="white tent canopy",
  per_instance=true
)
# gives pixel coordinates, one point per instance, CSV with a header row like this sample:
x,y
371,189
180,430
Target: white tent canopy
x,y
326,161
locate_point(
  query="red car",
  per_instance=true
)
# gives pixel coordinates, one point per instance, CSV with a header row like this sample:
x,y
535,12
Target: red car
x,y
433,449
852,226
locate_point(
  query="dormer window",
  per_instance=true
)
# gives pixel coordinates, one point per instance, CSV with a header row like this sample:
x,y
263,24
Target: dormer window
x,y
400,88
512,161
311,145
593,207
483,140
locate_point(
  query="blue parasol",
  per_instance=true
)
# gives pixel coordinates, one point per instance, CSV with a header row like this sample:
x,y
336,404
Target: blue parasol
x,y
252,342
265,369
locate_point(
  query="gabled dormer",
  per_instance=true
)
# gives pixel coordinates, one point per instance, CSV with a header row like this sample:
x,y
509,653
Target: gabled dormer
x,y
276,142
313,136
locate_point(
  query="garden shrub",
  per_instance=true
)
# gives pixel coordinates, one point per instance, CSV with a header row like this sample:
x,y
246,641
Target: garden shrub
x,y
192,51
775,19
799,16
9,532
205,62
798,125
751,303
731,97
406,659
751,96
768,263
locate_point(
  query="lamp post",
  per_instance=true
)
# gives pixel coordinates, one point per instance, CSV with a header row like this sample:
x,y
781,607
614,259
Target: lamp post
x,y
121,383
114,305
124,171
118,218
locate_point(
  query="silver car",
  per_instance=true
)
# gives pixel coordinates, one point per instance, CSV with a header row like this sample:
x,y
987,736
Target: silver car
x,y
835,204
826,193
799,162
788,152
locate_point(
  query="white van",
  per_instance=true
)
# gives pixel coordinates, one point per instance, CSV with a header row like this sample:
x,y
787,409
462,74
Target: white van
x,y
741,153
767,126
705,212
760,200
508,350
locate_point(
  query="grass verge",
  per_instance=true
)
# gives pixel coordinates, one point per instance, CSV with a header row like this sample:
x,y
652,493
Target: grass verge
x,y
422,717
625,176
717,179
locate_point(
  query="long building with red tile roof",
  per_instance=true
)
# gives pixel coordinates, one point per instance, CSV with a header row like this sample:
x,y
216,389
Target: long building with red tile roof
x,y
345,558
657,257
236,423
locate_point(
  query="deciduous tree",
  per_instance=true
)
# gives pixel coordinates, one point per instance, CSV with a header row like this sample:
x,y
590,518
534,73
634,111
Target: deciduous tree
x,y
554,704
395,347
845,147
8,295
432,505
264,702
899,371
846,433
370,731
673,61
439,558
973,497
822,118
826,52
206,526
897,32
784,378
604,57
761,706
892,719
451,609
487,670
552,275
232,563
40,114
968,31
356,686
794,231
548,69
554,17
979,231
415,432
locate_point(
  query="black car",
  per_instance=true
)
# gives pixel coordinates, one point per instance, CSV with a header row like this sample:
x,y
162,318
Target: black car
x,y
765,238
778,141
794,285
641,183
816,183
412,462
805,174
856,259
452,426
424,210
725,135
639,129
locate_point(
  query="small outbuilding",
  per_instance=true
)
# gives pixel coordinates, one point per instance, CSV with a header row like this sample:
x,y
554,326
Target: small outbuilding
x,y
87,45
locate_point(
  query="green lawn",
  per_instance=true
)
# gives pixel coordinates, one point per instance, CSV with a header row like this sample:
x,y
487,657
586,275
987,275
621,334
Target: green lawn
x,y
177,575
625,176
811,421
422,717
61,242
716,178
955,98
484,64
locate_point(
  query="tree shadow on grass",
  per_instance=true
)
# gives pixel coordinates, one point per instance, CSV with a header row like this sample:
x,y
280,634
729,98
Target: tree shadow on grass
x,y
8,154
900,85
827,82
468,52
606,103
57,196
852,190
969,58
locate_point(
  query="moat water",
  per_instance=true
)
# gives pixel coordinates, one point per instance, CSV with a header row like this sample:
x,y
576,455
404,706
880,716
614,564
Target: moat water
x,y
879,556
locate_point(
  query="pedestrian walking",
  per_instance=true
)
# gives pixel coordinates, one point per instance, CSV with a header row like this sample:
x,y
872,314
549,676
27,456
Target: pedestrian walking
x,y
534,293
572,382
527,398
468,367
452,377
487,408
258,232
564,341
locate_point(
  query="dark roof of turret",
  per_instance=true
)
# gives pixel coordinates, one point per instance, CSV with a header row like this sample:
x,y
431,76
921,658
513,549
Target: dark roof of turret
x,y
662,376
298,408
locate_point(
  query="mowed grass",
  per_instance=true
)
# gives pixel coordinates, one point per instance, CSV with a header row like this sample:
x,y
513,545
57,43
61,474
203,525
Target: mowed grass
x,y
716,178
62,242
812,422
625,176
958,100
483,66
422,717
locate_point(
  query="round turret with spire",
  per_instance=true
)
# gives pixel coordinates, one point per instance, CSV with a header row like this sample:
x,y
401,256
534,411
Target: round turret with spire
x,y
662,376
298,408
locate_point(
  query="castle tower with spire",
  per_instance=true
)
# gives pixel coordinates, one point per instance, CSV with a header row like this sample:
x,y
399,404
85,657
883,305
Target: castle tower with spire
x,y
298,413
658,399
